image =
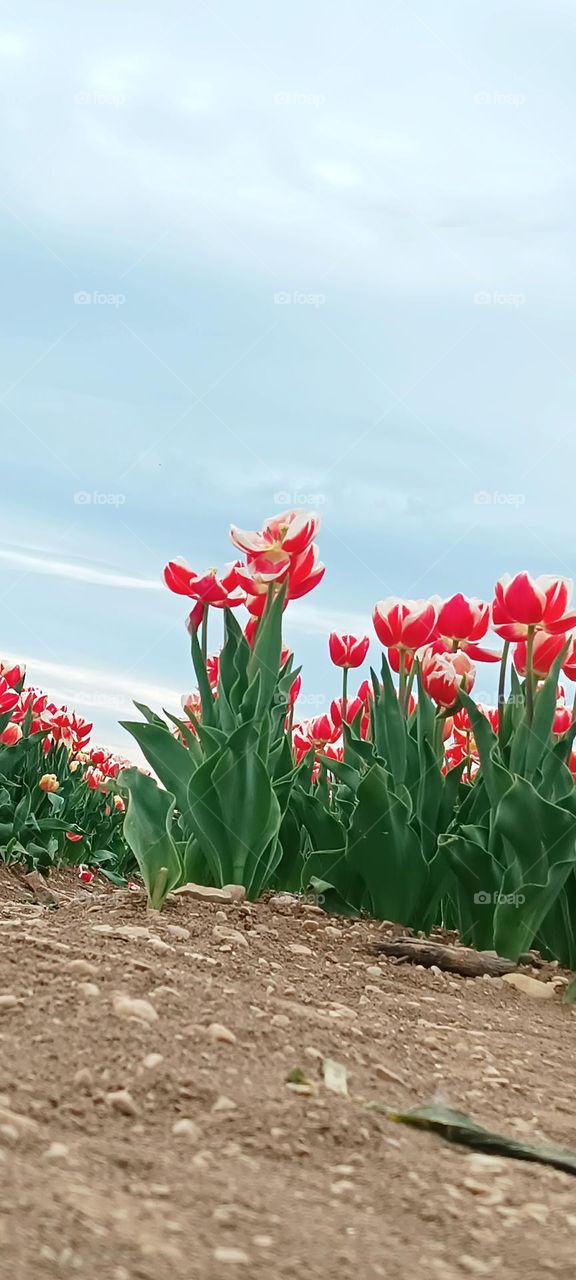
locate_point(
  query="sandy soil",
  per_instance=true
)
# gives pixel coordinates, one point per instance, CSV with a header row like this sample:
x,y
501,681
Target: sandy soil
x,y
100,1177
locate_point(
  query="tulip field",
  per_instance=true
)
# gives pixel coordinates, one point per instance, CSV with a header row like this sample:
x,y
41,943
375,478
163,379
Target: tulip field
x,y
407,800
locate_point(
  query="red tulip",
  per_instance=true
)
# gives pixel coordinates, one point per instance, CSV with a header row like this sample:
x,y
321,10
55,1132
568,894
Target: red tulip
x,y
545,651
407,624
352,708
12,675
521,602
85,875
463,618
569,663
73,837
347,651
213,669
11,734
444,674
291,532
294,691
562,718
220,592
9,697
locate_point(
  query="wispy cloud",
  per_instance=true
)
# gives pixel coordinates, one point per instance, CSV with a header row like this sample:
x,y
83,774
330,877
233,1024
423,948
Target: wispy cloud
x,y
93,575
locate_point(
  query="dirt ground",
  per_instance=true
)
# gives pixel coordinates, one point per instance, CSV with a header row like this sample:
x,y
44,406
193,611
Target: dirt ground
x,y
266,1178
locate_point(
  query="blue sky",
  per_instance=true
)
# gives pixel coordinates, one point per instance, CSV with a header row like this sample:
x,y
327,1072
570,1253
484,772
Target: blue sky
x,y
329,255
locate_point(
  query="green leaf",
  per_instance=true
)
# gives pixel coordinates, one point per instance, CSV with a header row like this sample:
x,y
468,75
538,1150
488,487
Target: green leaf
x,y
147,830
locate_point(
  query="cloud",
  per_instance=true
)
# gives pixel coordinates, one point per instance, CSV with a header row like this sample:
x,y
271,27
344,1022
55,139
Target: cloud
x,y
92,575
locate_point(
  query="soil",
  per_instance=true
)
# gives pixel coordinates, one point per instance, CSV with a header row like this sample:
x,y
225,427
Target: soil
x,y
270,1177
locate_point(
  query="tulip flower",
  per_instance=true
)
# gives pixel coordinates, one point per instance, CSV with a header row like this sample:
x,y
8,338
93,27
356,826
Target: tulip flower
x,y
405,624
73,837
522,602
85,875
9,697
220,592
302,573
444,674
14,676
569,663
562,718
213,670
11,734
347,651
462,620
341,710
545,650
289,533
49,782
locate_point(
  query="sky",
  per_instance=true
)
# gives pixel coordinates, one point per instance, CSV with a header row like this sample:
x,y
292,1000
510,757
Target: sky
x,y
257,257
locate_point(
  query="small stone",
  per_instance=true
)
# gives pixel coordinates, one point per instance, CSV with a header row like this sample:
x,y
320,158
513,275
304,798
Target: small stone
x,y
335,1076
311,1052
342,1188
283,903
230,935
386,1074
185,1128
158,944
374,971
83,1077
298,949
530,986
263,1242
217,1031
224,1104
56,1151
177,931
205,893
280,1020
152,1060
81,966
89,990
12,1119
139,1010
331,932
236,1257
122,1101
8,1002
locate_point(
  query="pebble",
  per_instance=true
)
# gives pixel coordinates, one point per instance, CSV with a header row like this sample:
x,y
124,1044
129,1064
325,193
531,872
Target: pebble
x,y
298,949
342,1187
122,1101
140,1010
263,1242
205,893
81,966
331,932
374,971
217,1031
530,986
280,1020
185,1128
83,1077
177,931
236,1257
7,1002
224,1104
56,1151
89,990
230,935
152,1060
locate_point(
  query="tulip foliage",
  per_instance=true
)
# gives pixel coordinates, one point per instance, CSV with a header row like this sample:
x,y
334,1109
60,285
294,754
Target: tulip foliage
x,y
407,799
57,805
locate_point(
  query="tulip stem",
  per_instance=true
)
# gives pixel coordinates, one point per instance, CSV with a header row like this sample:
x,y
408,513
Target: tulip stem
x,y
402,682
502,690
344,694
204,634
530,673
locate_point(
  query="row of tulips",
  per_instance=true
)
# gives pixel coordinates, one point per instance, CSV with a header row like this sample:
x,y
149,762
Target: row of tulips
x,y
406,799
59,798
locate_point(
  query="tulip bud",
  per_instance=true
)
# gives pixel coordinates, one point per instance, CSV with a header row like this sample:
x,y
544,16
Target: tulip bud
x,y
11,735
49,782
